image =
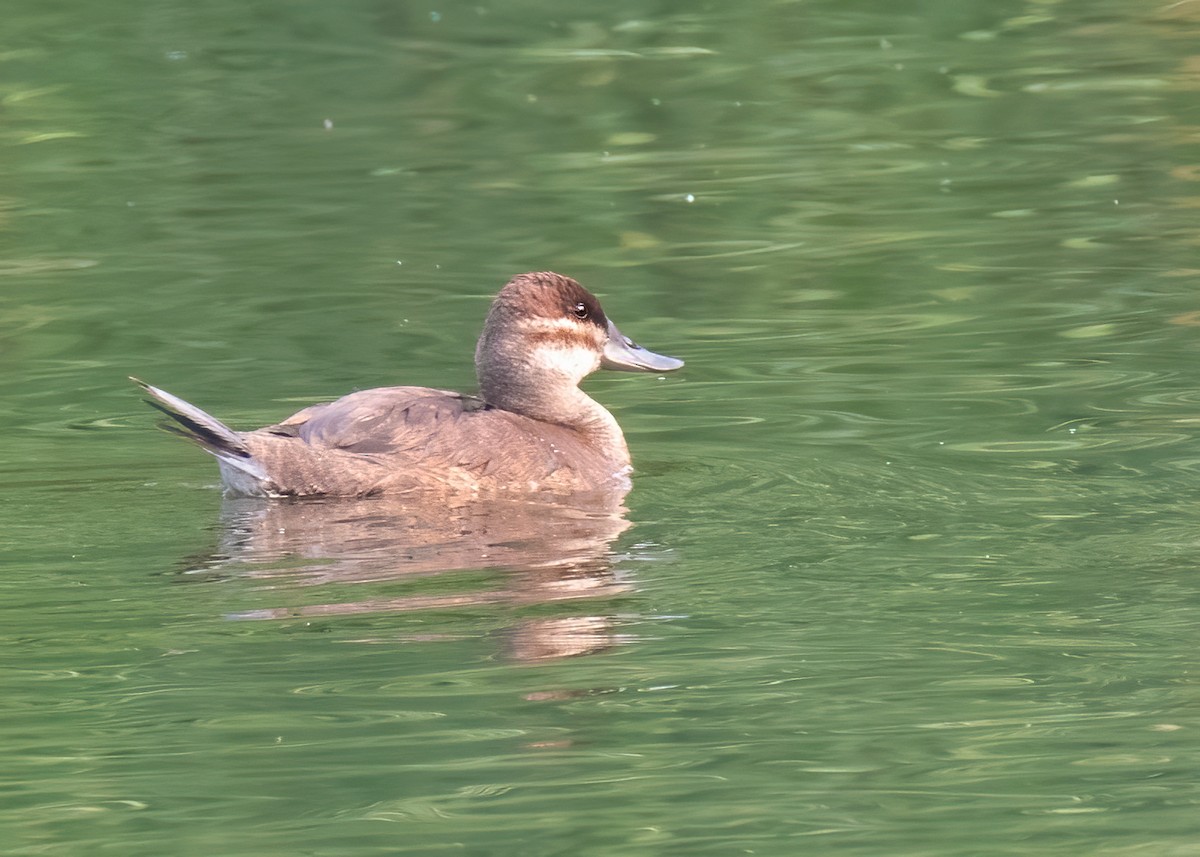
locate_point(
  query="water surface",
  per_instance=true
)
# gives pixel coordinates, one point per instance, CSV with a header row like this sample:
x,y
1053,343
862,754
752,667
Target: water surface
x,y
909,565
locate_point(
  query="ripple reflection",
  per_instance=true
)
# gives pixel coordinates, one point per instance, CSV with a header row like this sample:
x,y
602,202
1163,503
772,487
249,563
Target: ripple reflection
x,y
307,553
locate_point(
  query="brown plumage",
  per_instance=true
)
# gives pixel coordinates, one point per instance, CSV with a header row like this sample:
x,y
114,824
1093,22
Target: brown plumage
x,y
531,429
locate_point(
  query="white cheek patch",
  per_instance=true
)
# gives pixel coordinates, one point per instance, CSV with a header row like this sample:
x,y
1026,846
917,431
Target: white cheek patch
x,y
550,325
572,362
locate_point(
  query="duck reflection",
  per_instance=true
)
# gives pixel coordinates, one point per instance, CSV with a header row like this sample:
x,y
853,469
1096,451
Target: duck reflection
x,y
546,549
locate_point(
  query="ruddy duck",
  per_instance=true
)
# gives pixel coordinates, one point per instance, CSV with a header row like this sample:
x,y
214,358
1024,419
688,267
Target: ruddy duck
x,y
531,429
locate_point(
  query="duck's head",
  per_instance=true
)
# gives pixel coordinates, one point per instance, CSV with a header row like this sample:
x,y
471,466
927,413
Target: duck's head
x,y
543,335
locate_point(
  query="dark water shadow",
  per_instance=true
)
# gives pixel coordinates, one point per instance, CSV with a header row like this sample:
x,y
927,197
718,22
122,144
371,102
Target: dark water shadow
x,y
543,550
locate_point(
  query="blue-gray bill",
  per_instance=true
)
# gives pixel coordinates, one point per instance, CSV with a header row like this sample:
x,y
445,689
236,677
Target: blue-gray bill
x,y
625,355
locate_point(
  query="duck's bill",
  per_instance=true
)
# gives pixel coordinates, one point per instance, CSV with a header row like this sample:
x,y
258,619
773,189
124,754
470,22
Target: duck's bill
x,y
625,355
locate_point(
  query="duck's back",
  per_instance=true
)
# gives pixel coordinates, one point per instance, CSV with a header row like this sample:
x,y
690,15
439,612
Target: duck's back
x,y
393,440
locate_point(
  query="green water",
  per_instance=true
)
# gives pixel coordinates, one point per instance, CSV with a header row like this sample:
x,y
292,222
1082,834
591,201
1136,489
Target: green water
x,y
910,565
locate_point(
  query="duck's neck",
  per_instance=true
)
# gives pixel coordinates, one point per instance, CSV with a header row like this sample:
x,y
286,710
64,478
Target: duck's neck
x,y
560,403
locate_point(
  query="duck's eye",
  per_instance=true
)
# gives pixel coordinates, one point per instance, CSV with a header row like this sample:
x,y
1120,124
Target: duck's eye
x,y
579,311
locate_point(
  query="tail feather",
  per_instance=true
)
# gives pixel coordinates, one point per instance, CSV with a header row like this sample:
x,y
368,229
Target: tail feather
x,y
196,425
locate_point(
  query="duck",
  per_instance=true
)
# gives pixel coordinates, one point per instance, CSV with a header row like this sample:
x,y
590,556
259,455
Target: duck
x,y
529,430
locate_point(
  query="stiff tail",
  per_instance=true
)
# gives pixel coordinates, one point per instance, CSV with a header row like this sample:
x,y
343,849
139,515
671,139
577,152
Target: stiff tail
x,y
194,424
242,474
